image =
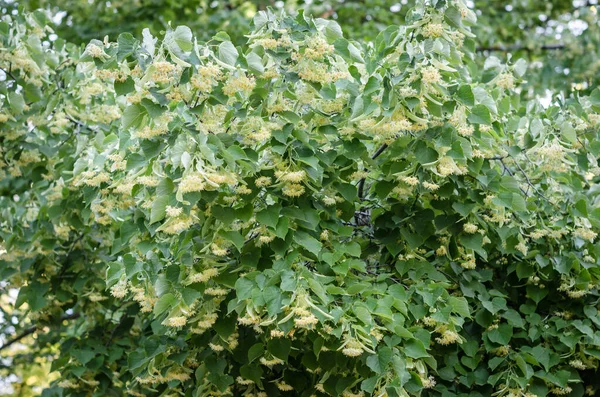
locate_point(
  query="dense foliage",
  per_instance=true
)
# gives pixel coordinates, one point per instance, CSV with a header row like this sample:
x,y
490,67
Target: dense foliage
x,y
300,214
559,38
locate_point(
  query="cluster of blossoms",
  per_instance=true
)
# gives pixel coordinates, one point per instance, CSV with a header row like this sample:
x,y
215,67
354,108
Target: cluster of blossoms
x,y
20,59
353,348
164,72
433,30
178,374
553,157
292,182
207,77
239,84
92,178
506,81
203,276
447,336
430,75
585,234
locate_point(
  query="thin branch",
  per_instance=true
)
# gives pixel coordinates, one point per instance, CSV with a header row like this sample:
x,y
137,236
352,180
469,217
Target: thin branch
x,y
31,330
361,183
8,73
522,171
508,170
361,188
515,47
80,124
529,181
25,333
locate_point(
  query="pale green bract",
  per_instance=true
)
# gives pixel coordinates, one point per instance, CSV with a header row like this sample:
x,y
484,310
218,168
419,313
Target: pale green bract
x,y
300,215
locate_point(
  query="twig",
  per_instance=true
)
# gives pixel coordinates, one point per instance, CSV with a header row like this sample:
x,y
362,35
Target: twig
x,y
501,48
361,183
80,124
25,333
506,169
31,330
529,181
8,73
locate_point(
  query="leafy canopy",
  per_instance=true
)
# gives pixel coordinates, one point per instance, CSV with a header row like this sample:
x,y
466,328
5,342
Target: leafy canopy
x,y
301,214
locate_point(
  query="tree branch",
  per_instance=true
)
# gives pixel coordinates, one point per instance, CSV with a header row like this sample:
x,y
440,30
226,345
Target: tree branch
x,y
25,333
34,328
510,48
80,124
8,73
507,170
361,183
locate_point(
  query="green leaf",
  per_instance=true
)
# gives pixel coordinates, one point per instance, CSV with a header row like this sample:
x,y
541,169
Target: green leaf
x,y
380,361
243,288
178,42
524,269
127,44
33,93
414,348
501,335
363,314
254,63
269,216
453,17
252,372
235,237
595,97
520,67
308,242
480,115
348,191
333,30
165,187
190,295
124,87
256,351
159,209
228,53
133,116
280,348
465,95
36,295
483,97
514,318
568,132
353,249
474,242
149,42
183,37
84,356
164,303
425,154
460,306
135,161
16,102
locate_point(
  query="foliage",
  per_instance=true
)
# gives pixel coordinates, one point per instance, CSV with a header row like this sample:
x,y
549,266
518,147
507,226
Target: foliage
x,y
301,213
559,38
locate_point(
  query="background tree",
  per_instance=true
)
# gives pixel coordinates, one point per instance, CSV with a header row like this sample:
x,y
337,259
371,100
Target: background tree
x,y
301,213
